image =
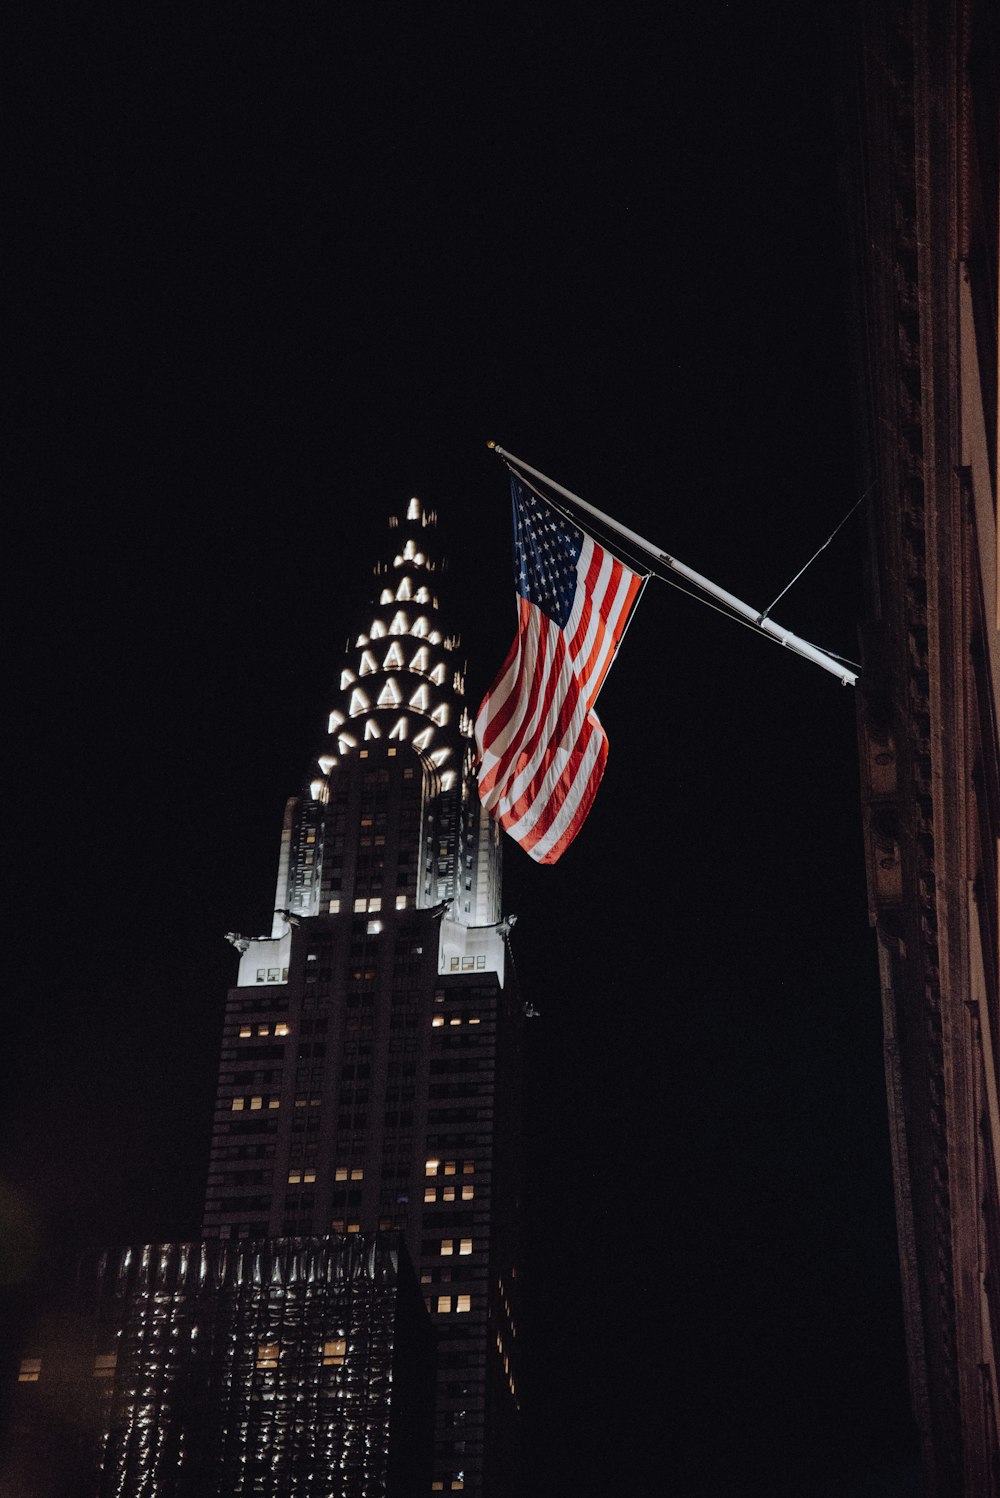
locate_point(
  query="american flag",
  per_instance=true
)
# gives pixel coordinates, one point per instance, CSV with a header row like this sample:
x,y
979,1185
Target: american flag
x,y
543,748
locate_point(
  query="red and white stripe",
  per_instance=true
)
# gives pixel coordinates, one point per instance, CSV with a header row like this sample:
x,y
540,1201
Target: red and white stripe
x,y
543,748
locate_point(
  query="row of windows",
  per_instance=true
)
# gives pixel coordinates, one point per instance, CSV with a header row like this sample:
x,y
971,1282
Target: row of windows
x,y
455,1019
435,1167
30,1371
333,1353
279,1029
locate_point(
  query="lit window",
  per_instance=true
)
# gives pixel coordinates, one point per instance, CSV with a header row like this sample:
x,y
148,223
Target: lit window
x,y
448,1193
431,1167
449,1167
268,1354
400,899
375,904
468,1167
444,1303
374,927
464,1303
473,1021
294,1177
447,1247
245,1031
437,1021
465,1246
256,1103
468,1193
430,1194
456,1019
30,1371
105,1364
354,1227
237,1105
337,1225
263,1029
334,1352
357,1173
360,906
340,1174
334,907
308,1175
281,1028
273,1102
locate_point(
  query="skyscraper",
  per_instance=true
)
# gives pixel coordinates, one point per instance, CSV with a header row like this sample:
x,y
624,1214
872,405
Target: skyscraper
x,y
368,1095
370,1070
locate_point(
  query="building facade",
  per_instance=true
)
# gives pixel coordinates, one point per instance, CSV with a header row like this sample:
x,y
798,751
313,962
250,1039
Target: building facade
x,y
180,1370
370,1071
927,240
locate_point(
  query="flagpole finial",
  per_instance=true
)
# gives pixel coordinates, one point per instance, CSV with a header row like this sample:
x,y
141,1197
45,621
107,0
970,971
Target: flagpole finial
x,y
491,445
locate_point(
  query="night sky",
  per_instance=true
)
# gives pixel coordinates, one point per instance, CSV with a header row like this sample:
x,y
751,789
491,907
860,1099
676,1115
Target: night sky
x,y
281,269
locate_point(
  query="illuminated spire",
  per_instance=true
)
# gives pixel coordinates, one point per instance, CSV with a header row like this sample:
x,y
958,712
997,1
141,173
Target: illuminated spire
x,y
401,697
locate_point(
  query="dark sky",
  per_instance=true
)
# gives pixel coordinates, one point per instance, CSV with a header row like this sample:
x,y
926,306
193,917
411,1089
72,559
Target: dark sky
x,y
281,270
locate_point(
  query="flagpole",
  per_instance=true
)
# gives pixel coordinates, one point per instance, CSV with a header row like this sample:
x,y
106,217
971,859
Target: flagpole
x,y
752,616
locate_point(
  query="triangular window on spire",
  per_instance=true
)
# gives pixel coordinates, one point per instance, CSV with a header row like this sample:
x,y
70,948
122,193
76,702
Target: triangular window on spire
x,y
368,663
422,595
448,779
393,657
361,640
334,721
346,677
378,629
400,728
413,509
390,695
421,699
421,628
346,741
400,624
438,674
440,715
435,638
404,591
385,596
422,740
421,660
359,703
409,550
439,756
372,730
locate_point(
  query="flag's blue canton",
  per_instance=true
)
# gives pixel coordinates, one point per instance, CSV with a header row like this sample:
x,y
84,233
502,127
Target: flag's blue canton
x,y
546,549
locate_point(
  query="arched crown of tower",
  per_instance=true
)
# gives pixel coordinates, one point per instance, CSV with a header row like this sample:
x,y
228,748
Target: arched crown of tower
x,y
401,680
